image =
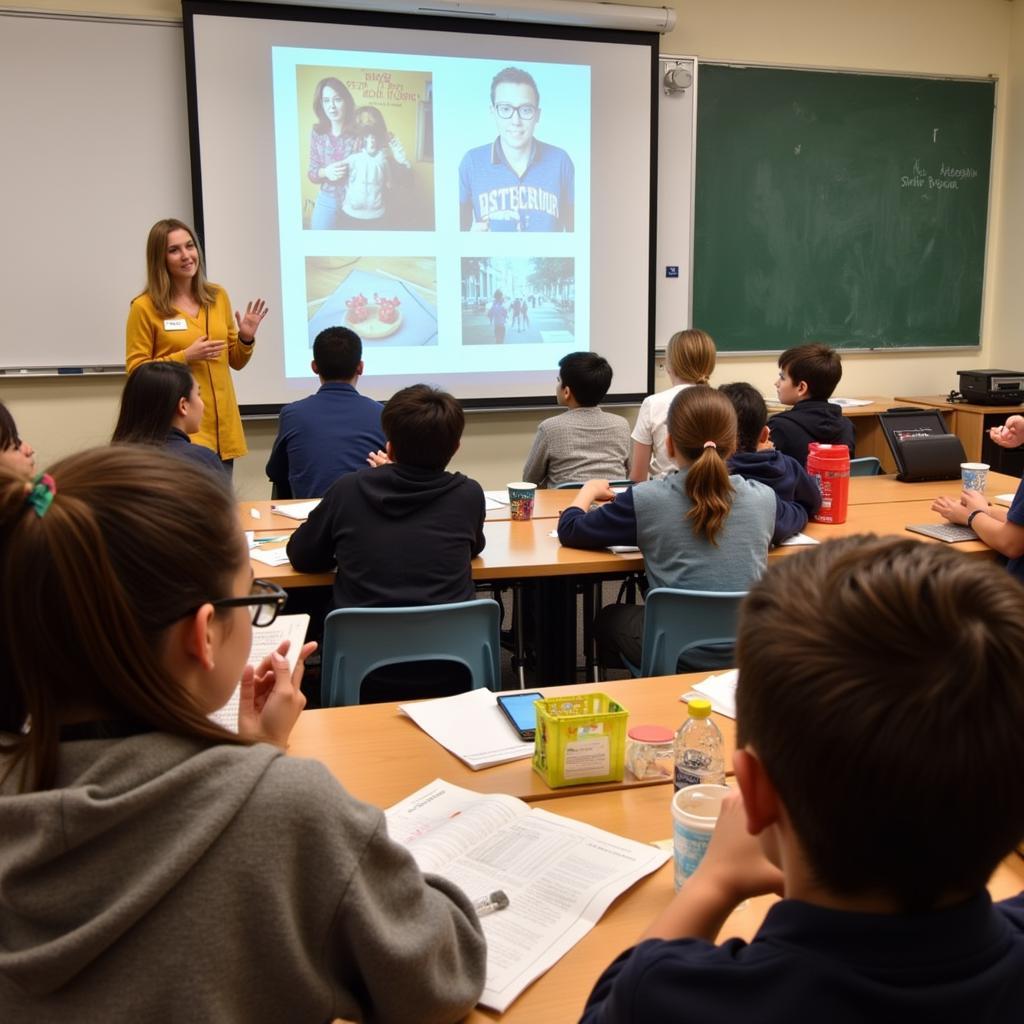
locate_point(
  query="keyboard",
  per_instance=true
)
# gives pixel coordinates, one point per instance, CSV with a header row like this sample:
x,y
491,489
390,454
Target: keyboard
x,y
950,533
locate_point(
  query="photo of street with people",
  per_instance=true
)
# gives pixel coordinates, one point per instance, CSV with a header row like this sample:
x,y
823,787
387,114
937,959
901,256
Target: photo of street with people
x,y
508,301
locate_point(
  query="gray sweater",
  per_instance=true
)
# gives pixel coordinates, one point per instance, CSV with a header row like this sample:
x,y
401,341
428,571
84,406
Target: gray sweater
x,y
167,880
579,445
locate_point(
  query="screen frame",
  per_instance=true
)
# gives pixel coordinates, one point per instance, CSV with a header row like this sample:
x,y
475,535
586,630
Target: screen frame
x,y
336,16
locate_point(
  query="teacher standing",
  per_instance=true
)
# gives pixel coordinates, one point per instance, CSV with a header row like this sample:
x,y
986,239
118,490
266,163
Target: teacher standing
x,y
182,317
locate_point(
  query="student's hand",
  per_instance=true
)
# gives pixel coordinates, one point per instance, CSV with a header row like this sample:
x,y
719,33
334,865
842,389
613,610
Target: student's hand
x,y
271,700
958,511
594,490
1010,434
202,349
734,866
378,458
249,324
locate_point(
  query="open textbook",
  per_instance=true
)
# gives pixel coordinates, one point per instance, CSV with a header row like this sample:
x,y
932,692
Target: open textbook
x,y
560,875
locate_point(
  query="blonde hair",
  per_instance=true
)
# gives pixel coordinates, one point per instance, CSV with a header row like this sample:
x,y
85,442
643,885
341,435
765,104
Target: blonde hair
x,y
690,356
158,280
702,424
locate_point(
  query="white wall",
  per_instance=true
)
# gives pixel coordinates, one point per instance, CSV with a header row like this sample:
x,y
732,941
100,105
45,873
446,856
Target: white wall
x,y
958,37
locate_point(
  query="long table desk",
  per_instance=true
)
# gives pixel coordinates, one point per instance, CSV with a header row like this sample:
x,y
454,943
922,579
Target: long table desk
x,y
381,757
375,749
518,550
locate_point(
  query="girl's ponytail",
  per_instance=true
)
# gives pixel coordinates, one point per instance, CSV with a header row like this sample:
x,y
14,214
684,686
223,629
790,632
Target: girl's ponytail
x,y
702,425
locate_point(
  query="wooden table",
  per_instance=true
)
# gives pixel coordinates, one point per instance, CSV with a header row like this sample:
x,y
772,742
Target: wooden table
x,y
644,815
966,420
381,756
548,505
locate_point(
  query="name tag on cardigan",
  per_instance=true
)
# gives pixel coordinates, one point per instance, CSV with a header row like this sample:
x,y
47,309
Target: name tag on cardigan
x,y
175,325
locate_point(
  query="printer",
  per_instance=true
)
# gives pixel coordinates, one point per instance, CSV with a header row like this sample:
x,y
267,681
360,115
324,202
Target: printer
x,y
992,387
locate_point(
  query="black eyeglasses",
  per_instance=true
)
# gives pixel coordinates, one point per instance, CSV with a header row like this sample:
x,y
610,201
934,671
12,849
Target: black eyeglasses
x,y
265,601
526,111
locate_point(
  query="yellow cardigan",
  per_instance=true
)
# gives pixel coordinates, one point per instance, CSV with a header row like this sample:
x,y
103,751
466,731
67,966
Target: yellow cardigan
x,y
147,340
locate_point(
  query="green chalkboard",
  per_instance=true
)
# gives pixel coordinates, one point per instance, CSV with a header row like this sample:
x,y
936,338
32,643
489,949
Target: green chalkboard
x,y
843,208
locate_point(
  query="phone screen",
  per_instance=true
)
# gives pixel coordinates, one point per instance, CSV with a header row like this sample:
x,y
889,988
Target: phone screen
x,y
519,710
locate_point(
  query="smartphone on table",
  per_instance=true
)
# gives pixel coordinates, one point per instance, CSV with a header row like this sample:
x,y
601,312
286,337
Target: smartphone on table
x,y
519,710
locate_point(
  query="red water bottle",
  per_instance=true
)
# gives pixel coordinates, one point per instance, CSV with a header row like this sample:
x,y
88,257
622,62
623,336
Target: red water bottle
x,y
829,465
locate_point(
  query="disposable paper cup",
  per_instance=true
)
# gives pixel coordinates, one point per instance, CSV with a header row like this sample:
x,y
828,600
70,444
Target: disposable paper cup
x,y
520,497
974,475
694,814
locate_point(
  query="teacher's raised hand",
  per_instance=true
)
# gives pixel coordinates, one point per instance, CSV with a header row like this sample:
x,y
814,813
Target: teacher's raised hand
x,y
249,324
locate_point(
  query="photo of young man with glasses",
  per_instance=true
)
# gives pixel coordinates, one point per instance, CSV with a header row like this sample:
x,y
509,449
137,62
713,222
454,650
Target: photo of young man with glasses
x,y
517,182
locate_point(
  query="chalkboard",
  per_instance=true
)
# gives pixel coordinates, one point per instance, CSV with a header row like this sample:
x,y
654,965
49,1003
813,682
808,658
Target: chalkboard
x,y
844,208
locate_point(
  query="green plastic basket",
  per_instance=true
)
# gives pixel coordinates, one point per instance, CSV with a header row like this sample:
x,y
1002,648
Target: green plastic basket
x,y
580,739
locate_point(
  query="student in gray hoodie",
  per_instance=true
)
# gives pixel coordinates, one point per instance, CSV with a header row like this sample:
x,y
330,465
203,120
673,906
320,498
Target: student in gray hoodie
x,y
153,865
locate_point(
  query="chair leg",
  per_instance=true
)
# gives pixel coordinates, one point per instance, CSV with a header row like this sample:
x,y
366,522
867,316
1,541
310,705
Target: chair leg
x,y
591,600
519,644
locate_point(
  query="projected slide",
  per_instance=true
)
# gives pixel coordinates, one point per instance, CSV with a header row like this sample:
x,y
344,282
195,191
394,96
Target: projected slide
x,y
430,204
474,200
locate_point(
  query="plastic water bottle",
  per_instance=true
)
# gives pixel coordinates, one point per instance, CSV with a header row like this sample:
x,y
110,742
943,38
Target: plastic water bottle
x,y
699,748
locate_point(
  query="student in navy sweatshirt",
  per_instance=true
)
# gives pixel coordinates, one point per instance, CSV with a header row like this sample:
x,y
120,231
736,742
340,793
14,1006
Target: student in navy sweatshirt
x,y
808,374
797,497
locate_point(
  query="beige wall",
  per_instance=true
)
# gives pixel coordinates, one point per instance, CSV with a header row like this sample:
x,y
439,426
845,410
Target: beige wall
x,y
959,37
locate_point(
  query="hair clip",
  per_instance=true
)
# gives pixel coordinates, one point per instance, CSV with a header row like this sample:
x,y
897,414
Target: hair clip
x,y
40,497
711,444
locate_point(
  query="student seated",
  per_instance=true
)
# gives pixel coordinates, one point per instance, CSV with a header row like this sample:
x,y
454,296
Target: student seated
x,y
161,405
689,359
808,374
698,529
585,441
797,496
330,433
403,533
15,452
1000,528
880,735
153,865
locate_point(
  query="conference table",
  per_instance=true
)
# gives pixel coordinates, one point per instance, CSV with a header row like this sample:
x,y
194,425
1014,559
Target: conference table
x,y
381,756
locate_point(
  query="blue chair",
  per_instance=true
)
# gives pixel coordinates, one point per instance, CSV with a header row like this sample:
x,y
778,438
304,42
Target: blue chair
x,y
359,640
677,621
866,466
575,485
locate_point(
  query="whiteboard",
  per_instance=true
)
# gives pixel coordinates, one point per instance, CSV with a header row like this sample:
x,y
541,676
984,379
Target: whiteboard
x,y
95,151
676,130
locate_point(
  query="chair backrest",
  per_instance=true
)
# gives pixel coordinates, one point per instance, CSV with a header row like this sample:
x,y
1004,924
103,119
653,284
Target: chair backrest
x,y
675,621
866,465
359,640
575,485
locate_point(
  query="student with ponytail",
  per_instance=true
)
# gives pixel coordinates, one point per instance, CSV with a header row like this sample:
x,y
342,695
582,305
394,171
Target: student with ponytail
x,y
161,405
698,529
155,866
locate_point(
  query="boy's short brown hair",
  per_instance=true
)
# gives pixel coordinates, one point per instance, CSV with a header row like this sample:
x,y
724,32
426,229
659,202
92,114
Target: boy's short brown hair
x,y
881,686
820,366
424,426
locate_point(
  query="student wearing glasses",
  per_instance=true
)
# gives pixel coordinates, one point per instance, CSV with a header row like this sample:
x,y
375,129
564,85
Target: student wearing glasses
x,y
517,182
154,864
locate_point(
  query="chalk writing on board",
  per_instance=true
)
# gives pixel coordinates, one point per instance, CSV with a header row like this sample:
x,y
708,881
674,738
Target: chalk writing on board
x,y
948,179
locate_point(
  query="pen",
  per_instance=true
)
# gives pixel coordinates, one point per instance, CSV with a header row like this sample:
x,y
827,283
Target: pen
x,y
497,900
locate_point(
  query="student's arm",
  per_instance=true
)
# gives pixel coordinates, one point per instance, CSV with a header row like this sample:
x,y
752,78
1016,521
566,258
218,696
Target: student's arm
x,y
790,518
480,540
806,491
311,546
640,462
277,464
614,523
734,868
996,528
536,469
1010,434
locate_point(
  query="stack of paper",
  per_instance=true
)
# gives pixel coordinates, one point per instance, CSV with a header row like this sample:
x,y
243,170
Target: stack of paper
x,y
296,509
720,690
559,875
269,556
1003,499
265,640
471,726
